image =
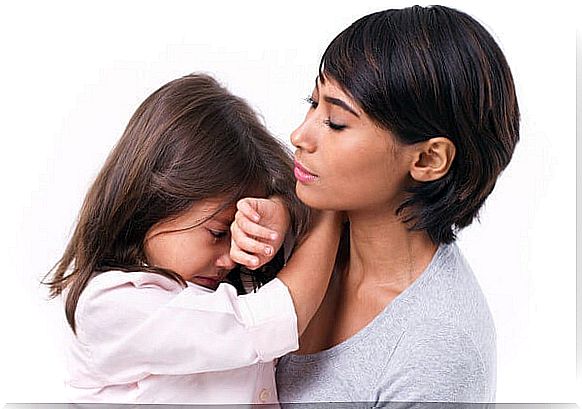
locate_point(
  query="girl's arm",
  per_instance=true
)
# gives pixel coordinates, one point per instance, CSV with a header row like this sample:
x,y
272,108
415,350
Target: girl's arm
x,y
132,324
309,269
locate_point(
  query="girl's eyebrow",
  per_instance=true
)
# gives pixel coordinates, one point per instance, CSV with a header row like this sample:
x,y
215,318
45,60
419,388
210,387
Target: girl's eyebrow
x,y
222,220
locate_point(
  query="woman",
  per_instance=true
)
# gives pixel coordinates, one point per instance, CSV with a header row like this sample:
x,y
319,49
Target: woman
x,y
412,119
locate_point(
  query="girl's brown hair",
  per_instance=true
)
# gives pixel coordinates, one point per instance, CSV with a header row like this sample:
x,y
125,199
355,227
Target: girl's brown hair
x,y
190,140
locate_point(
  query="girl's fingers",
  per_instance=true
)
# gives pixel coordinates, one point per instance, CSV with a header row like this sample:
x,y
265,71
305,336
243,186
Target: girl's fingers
x,y
247,251
248,207
250,228
252,246
240,257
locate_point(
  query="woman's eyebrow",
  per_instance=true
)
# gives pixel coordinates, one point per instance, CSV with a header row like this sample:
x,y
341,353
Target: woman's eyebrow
x,y
338,102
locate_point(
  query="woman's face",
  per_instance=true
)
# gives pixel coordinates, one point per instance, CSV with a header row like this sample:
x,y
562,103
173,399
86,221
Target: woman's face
x,y
199,254
344,161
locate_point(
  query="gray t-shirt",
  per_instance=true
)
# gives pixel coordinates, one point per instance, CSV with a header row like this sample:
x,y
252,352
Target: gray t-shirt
x,y
435,342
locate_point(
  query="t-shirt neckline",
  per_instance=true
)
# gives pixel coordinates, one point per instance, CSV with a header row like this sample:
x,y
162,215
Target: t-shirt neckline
x,y
434,266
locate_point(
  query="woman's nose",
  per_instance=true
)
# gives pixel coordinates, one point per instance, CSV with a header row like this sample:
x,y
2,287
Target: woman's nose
x,y
303,137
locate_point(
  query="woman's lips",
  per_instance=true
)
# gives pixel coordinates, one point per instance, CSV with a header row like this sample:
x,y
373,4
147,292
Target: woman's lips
x,y
302,174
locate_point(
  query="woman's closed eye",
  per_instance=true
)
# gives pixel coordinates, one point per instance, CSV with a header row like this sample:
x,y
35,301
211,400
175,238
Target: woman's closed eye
x,y
328,122
311,101
333,125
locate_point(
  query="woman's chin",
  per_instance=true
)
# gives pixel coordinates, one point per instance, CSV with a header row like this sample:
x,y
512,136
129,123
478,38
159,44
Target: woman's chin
x,y
307,196
316,199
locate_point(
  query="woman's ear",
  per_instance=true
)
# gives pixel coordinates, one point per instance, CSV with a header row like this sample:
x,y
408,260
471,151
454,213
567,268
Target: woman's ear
x,y
432,159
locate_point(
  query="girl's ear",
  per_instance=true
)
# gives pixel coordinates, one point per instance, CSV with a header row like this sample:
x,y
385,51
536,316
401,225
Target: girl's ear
x,y
432,159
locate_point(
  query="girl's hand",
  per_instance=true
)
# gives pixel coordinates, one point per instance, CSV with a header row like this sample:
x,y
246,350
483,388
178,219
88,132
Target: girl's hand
x,y
258,231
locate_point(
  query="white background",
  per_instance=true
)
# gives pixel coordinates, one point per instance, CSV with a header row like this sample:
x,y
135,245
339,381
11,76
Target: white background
x,y
72,74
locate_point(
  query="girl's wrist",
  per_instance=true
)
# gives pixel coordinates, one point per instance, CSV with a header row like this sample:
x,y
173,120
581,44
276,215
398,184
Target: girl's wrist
x,y
284,211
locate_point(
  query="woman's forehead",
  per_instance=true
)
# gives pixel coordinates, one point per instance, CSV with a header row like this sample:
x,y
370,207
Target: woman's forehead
x,y
331,89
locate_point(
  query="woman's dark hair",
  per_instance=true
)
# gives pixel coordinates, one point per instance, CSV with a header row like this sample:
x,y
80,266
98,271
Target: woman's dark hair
x,y
190,140
422,72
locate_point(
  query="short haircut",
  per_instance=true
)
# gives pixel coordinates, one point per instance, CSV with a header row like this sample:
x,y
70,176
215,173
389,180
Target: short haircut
x,y
423,72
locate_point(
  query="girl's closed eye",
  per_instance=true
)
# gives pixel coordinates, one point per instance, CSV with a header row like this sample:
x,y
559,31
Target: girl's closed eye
x,y
218,234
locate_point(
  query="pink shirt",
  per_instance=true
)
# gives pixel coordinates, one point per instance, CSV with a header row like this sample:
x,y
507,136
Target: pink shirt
x,y
142,338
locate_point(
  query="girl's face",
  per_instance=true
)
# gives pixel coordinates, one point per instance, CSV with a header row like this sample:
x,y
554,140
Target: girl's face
x,y
199,254
344,161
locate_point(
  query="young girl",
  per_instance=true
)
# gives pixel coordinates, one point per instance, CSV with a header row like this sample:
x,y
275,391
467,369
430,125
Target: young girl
x,y
142,277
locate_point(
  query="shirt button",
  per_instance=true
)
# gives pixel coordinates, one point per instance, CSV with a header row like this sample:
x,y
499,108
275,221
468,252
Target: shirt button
x,y
264,395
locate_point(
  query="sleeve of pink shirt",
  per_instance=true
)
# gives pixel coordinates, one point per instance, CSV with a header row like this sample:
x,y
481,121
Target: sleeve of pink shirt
x,y
131,325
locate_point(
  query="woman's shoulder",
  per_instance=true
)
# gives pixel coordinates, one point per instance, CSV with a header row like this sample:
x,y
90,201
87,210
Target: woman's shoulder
x,y
448,290
447,340
439,360
447,314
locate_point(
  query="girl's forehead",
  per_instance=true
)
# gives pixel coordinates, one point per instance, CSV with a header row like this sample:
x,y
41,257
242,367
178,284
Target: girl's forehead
x,y
205,210
223,208
226,215
215,208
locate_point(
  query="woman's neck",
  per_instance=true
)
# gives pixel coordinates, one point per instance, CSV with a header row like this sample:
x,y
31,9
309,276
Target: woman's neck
x,y
384,253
